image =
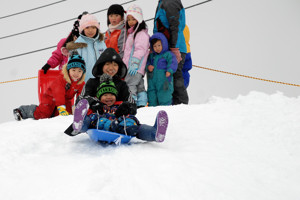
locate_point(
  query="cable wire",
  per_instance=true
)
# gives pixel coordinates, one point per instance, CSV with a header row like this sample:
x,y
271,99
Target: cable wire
x,y
42,27
18,13
76,18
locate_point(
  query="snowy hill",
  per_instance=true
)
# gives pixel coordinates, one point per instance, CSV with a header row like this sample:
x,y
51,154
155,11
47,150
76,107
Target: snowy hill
x,y
246,148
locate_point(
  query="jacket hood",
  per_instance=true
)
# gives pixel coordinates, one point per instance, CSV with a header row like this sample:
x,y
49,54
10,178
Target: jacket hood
x,y
109,55
66,75
163,39
77,45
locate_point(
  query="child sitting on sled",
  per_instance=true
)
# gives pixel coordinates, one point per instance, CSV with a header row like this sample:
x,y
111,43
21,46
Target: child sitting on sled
x,y
114,116
108,116
57,100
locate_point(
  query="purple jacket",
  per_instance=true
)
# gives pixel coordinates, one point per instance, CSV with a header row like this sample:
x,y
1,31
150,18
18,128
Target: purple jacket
x,y
141,49
57,58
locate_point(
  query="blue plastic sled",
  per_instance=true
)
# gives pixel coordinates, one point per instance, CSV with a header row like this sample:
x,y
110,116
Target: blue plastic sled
x,y
108,137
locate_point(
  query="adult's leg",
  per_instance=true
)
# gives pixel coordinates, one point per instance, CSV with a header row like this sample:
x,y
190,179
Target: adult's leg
x,y
180,94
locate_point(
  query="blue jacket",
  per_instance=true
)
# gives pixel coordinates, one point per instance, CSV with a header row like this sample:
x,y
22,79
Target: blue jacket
x,y
171,14
90,53
165,59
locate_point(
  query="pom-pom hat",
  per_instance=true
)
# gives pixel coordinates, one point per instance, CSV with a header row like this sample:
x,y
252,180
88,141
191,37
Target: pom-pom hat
x,y
76,61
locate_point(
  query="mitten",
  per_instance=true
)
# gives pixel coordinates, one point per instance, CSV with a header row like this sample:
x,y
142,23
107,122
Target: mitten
x,y
46,67
62,110
177,54
125,108
97,107
133,66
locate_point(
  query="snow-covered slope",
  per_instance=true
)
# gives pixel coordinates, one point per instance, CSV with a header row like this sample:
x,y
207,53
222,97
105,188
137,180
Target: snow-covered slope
x,y
246,148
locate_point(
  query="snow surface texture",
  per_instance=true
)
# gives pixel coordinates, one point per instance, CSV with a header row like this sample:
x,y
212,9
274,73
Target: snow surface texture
x,y
246,148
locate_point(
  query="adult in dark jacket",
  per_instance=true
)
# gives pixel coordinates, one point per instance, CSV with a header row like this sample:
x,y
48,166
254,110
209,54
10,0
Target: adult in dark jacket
x,y
117,72
170,20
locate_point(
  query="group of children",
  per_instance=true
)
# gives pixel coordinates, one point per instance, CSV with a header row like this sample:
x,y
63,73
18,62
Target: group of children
x,y
107,75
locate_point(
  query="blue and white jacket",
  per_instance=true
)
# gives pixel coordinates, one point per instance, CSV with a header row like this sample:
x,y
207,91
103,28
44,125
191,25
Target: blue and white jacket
x,y
171,14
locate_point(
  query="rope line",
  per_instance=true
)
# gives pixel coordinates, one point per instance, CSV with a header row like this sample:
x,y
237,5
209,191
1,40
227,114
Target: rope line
x,y
31,9
206,68
245,76
20,33
22,79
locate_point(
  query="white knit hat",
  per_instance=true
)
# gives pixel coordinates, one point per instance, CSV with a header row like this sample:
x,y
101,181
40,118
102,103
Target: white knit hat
x,y
88,20
136,12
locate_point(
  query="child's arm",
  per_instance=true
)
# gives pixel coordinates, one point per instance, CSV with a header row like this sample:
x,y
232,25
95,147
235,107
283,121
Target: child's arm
x,y
57,56
141,48
149,64
172,63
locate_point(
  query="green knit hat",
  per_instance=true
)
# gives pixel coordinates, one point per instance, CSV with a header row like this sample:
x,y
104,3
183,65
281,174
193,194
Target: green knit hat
x,y
106,86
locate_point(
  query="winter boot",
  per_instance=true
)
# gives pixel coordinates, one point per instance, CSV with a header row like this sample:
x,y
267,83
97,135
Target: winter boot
x,y
161,125
17,114
80,112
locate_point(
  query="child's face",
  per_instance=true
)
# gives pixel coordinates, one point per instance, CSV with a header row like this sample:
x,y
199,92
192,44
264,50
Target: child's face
x,y
114,19
111,68
157,47
75,73
108,99
131,21
90,31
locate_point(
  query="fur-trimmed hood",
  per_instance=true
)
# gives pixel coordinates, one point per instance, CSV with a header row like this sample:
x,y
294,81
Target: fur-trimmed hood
x,y
66,75
73,45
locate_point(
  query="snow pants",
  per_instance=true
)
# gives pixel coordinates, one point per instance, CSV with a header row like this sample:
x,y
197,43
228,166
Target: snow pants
x,y
160,88
137,88
180,94
46,109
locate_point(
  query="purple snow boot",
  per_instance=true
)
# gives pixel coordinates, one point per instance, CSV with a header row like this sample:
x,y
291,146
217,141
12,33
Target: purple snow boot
x,y
80,112
161,125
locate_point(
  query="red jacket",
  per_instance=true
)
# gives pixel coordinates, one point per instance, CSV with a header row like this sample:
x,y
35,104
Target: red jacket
x,y
60,92
116,39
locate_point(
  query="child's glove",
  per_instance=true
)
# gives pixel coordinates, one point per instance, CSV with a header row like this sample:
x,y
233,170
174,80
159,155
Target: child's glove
x,y
46,67
177,54
126,108
97,107
134,66
62,110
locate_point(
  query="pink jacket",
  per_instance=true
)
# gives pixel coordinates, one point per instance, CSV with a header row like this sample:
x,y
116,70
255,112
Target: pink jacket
x,y
57,57
141,49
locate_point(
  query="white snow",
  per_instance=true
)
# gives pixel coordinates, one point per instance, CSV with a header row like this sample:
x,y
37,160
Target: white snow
x,y
244,148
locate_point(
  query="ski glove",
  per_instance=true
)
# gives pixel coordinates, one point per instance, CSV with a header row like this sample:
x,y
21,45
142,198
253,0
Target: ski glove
x,y
177,54
126,108
97,107
46,67
62,110
134,66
